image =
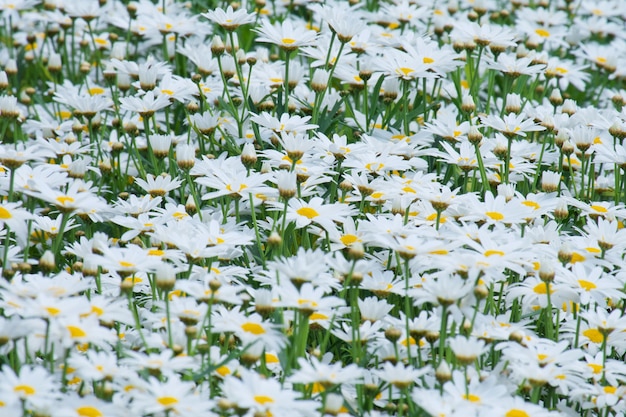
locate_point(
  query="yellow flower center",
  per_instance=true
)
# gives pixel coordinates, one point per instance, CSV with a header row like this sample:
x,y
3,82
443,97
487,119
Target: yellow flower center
x,y
132,280
307,212
5,214
254,328
24,389
179,215
263,399
410,342
543,33
472,398
348,239
288,41
64,199
76,332
223,370
516,412
303,301
88,411
532,204
374,166
596,368
167,401
577,257
586,285
495,215
594,335
318,316
541,289
599,209
53,311
271,358
241,188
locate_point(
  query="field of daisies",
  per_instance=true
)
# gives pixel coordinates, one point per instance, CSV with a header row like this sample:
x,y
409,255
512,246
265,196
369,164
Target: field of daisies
x,y
302,208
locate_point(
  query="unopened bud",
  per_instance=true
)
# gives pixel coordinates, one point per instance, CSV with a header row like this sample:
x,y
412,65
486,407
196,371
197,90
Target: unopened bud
x,y
248,155
550,181
546,271
565,254
393,334
569,107
561,212
516,336
190,205
274,239
443,372
334,404
432,336
481,291
468,105
356,251
474,136
567,148
555,97
47,262
165,277
217,46
320,80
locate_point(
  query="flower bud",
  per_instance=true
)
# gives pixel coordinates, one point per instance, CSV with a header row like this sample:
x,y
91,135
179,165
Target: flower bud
x,y
356,251
334,403
569,107
550,181
248,155
468,105
555,97
274,239
47,262
165,277
565,253
54,62
546,271
320,80
561,212
217,46
185,156
393,334
443,372
513,103
190,205
474,136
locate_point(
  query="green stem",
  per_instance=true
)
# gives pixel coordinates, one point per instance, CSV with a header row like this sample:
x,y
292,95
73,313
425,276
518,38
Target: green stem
x,y
481,166
170,339
442,332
